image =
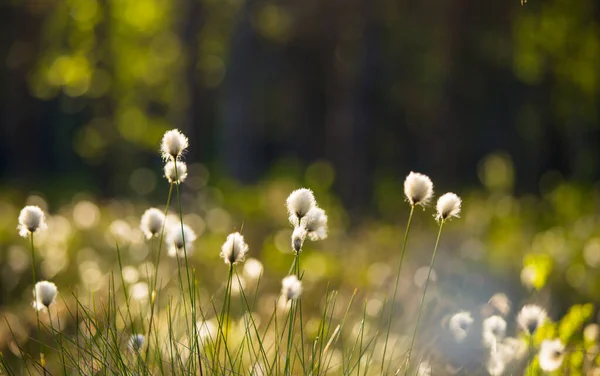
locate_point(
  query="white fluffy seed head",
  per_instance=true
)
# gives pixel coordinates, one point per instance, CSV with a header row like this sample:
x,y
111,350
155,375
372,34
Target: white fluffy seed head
x,y
136,342
552,353
175,175
234,249
315,223
44,294
179,242
291,287
173,145
459,325
152,222
448,206
418,189
299,202
494,330
531,318
298,237
496,364
31,220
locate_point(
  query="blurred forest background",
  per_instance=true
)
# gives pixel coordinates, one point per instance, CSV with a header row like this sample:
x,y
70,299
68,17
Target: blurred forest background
x,y
373,88
496,100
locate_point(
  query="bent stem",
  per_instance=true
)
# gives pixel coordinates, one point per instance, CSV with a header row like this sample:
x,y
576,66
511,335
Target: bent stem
x,y
412,342
387,335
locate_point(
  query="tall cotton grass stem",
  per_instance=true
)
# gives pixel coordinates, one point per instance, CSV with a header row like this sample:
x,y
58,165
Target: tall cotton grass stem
x,y
62,349
155,280
224,322
191,290
402,252
412,342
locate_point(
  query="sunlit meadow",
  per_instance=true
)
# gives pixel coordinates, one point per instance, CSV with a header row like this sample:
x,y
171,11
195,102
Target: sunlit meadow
x,y
275,279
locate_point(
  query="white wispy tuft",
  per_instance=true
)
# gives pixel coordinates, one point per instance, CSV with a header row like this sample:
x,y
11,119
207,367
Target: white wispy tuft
x,y
315,223
552,354
44,294
152,222
459,325
175,240
298,237
500,303
31,220
234,249
448,206
418,189
531,318
298,203
494,330
291,287
136,342
175,175
173,145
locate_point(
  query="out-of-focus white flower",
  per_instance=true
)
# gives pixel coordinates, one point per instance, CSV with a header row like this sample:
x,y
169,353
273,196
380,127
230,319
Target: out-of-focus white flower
x,y
136,342
448,206
180,241
299,202
207,331
459,325
173,144
291,287
175,175
298,237
591,332
315,223
494,330
234,249
44,294
552,353
501,303
496,364
152,222
531,318
512,348
31,220
418,189
253,268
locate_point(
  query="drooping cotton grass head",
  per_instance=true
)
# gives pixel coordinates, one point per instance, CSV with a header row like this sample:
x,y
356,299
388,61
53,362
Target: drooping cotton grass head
x,y
552,354
291,287
44,294
315,223
31,220
299,202
448,206
173,144
175,175
531,318
234,249
152,222
494,330
180,241
136,342
459,325
418,189
298,237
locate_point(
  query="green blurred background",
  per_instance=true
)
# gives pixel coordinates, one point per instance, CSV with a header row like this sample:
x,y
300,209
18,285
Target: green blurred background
x,y
496,100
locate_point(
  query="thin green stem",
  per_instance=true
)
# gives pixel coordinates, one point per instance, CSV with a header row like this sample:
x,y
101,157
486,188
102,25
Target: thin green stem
x,y
62,349
412,342
392,305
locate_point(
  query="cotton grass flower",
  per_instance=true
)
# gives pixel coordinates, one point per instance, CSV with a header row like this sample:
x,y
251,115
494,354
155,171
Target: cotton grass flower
x,y
31,220
298,203
496,364
44,294
551,356
173,144
298,237
531,318
315,223
136,342
234,249
179,242
494,330
152,222
459,325
448,206
291,287
418,189
173,175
